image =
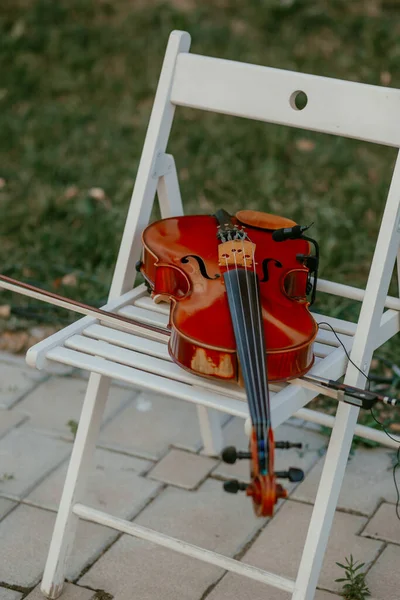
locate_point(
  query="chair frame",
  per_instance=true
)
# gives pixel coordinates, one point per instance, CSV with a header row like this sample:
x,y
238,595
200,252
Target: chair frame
x,y
336,107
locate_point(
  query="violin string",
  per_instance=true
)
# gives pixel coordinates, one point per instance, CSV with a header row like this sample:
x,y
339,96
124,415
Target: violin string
x,y
253,409
264,390
260,371
259,416
260,323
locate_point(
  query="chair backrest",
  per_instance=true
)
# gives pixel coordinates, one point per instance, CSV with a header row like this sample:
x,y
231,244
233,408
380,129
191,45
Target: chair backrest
x,y
354,110
333,106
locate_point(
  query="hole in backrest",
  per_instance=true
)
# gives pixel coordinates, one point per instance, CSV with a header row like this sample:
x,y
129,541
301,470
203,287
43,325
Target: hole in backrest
x,y
298,100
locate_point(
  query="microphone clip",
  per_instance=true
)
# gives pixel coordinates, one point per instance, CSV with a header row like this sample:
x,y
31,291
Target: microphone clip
x,y
290,233
310,261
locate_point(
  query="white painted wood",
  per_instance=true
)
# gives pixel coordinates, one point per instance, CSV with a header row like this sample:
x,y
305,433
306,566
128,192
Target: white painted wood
x,y
80,462
211,430
390,326
169,194
353,293
147,303
129,341
149,364
322,350
147,179
368,330
213,558
375,435
344,108
327,337
145,316
154,383
339,325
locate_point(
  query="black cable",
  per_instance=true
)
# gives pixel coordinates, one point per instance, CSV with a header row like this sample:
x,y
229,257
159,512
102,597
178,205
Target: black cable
x,y
375,419
346,353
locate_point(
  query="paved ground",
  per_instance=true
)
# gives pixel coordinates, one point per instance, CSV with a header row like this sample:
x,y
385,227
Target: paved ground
x,y
149,468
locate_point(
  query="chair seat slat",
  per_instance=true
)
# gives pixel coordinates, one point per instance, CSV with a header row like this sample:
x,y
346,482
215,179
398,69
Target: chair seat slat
x,y
150,364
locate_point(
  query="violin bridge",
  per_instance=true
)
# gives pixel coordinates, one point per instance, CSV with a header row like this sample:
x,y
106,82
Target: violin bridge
x,y
238,253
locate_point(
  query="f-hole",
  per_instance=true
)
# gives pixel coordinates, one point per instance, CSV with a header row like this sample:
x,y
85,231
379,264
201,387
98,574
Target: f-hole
x,y
202,266
265,267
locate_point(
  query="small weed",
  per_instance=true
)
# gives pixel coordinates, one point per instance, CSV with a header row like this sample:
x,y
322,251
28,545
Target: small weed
x,y
73,426
102,595
355,587
7,477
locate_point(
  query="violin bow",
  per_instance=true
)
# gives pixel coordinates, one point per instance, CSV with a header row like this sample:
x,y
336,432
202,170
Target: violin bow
x,y
13,285
362,398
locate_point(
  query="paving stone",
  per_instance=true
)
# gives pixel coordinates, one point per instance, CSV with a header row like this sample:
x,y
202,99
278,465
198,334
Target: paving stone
x,y
70,592
150,424
6,594
59,400
12,359
9,419
384,525
210,518
25,536
313,445
16,381
183,469
134,568
368,480
242,588
279,547
383,579
113,485
5,507
25,458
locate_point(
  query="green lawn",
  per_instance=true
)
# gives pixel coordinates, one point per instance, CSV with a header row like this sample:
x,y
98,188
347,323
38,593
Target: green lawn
x,y
77,83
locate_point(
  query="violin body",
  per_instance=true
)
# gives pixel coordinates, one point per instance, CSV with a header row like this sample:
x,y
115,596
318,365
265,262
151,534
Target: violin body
x,y
182,264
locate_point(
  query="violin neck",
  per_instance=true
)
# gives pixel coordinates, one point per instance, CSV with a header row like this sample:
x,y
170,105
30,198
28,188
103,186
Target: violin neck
x,y
242,289
224,218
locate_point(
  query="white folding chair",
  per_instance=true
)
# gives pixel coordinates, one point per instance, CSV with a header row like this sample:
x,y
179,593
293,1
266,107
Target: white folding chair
x,y
141,359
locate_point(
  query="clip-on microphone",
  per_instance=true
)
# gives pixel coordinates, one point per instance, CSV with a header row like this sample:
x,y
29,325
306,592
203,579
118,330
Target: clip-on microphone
x,y
310,261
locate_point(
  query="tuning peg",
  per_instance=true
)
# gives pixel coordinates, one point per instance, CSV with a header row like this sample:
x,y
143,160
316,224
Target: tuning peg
x,y
230,455
287,445
294,475
234,486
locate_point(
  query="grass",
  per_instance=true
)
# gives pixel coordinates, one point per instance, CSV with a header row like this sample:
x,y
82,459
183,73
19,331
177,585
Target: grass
x,y
78,81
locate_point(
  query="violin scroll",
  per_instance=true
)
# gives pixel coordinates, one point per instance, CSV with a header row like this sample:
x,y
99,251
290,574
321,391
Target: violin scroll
x,y
263,488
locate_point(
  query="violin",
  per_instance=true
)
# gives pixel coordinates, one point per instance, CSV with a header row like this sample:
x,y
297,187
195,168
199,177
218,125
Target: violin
x,y
235,272
239,312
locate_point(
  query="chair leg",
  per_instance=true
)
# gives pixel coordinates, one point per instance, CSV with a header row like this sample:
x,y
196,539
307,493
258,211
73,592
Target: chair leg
x,y
325,502
211,430
74,487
